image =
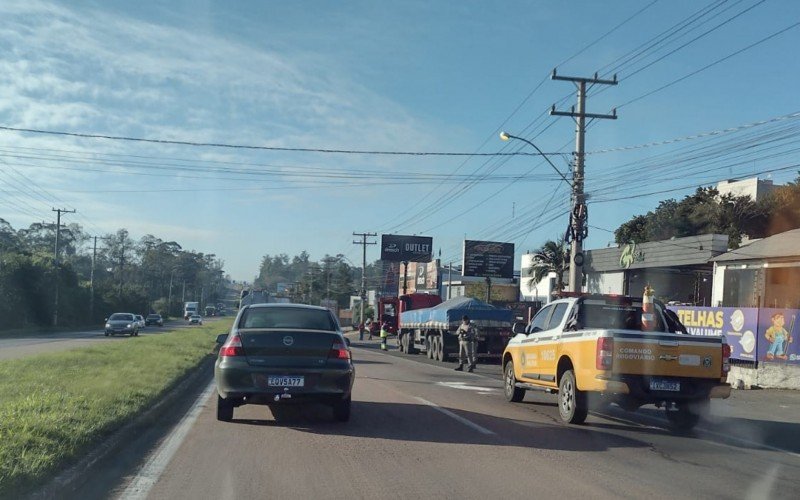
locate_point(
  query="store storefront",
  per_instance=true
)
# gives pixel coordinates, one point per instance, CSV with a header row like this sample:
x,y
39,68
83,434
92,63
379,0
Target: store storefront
x,y
678,269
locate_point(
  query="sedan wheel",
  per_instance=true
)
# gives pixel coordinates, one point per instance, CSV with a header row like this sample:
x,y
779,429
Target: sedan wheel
x,y
224,410
341,410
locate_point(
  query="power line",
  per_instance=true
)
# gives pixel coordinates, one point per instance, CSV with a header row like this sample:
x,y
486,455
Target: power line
x,y
710,65
262,148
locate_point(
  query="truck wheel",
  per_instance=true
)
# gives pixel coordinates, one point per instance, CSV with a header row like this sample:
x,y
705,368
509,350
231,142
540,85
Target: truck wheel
x,y
444,352
572,405
513,393
224,410
429,346
401,343
687,414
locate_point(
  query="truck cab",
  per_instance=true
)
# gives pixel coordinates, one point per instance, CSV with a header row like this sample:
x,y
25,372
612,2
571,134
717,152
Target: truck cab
x,y
389,308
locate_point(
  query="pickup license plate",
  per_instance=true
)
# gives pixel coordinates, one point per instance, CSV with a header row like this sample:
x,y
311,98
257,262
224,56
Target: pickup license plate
x,y
660,384
285,381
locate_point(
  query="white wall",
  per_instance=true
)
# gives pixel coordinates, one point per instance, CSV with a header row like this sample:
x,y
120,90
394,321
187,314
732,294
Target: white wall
x,y
605,283
717,285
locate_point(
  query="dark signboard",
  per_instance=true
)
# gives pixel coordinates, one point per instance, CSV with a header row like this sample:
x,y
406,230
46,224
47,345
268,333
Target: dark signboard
x,y
488,259
391,278
399,248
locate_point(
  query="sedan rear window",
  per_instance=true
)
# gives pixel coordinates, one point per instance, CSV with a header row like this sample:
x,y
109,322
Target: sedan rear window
x,y
121,317
287,317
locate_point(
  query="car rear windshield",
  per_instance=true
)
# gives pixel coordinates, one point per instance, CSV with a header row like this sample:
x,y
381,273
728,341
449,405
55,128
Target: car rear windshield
x,y
615,316
121,317
153,316
287,317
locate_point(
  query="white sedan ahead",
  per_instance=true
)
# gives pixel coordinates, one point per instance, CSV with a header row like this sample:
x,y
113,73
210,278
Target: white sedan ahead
x,y
195,319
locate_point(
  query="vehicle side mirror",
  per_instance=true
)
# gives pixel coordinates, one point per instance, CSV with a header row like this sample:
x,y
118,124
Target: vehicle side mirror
x,y
518,327
347,341
221,338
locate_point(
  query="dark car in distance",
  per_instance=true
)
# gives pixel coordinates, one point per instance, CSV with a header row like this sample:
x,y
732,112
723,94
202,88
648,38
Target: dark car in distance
x,y
277,354
154,319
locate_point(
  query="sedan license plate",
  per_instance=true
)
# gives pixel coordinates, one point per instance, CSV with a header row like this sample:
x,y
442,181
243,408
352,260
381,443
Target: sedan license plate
x,y
285,381
660,384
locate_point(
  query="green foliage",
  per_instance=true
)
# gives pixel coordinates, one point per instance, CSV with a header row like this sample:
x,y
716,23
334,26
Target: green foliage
x,y
128,276
332,277
54,407
703,212
551,257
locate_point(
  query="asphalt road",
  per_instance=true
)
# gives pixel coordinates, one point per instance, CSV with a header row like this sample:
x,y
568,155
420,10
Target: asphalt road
x,y
424,431
18,346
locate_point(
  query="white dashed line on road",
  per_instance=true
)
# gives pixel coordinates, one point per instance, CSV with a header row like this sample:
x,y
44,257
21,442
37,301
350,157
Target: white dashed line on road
x,y
468,423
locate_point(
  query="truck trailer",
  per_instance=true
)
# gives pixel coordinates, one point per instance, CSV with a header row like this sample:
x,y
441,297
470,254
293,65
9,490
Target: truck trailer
x,y
432,330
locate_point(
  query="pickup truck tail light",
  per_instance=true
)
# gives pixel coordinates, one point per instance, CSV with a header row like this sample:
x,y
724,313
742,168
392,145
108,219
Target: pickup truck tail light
x,y
231,348
605,353
726,359
339,351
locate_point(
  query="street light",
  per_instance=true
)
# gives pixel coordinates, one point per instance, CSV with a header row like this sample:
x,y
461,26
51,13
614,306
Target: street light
x,y
505,136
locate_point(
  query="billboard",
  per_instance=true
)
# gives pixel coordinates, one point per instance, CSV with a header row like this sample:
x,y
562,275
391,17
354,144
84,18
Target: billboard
x,y
422,277
488,259
766,335
399,248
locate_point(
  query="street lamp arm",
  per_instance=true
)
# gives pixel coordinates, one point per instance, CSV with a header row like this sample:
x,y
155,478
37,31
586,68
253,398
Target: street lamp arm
x,y
506,136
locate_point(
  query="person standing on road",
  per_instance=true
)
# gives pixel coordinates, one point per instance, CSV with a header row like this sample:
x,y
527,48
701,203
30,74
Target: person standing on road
x,y
368,327
467,334
384,336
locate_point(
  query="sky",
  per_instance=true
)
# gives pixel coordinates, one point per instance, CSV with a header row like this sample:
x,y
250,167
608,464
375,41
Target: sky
x,y
409,76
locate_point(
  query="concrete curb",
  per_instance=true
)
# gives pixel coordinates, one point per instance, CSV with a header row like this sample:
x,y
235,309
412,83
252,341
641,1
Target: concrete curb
x,y
68,481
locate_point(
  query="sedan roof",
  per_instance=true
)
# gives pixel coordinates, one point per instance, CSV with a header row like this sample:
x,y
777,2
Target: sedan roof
x,y
297,306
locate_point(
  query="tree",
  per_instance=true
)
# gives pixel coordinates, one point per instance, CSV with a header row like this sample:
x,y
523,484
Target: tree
x,y
551,257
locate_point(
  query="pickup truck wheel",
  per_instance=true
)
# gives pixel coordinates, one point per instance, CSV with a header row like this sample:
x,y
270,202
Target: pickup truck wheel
x,y
572,404
513,393
224,410
687,414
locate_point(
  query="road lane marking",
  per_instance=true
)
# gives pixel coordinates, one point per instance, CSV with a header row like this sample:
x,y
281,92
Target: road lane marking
x,y
468,423
463,385
140,486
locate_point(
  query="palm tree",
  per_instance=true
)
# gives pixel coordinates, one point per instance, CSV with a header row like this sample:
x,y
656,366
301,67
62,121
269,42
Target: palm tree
x,y
550,257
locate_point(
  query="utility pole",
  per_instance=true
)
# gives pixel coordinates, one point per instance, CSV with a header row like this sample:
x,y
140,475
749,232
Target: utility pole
x,y
364,244
449,279
91,281
169,295
58,211
578,230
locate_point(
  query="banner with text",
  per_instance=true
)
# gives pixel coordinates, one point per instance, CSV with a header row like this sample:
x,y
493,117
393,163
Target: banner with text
x,y
754,334
488,259
399,248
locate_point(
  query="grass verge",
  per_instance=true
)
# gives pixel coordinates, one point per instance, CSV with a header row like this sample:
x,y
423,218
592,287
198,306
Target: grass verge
x,y
55,407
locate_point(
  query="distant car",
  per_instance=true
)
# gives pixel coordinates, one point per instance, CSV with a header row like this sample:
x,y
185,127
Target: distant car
x,y
280,354
154,319
140,320
195,319
124,323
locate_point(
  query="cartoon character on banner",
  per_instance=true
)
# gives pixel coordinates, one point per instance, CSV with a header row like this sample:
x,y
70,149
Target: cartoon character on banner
x,y
778,338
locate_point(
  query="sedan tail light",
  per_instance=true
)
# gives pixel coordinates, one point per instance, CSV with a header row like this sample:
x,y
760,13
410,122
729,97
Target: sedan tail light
x,y
339,350
231,348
